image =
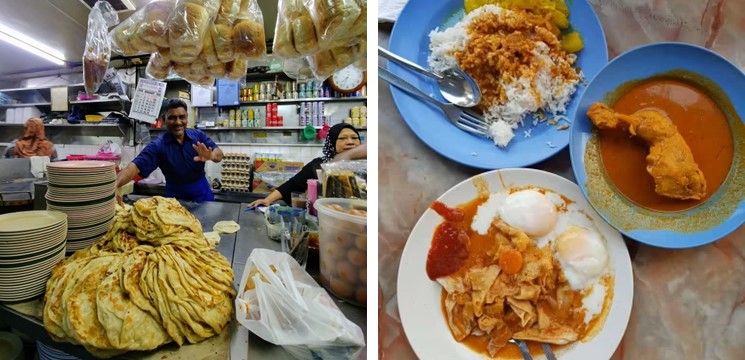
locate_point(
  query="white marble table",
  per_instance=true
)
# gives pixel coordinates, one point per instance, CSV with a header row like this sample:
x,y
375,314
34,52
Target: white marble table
x,y
688,304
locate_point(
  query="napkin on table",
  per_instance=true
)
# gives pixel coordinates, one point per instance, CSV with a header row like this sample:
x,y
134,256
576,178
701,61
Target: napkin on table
x,y
388,10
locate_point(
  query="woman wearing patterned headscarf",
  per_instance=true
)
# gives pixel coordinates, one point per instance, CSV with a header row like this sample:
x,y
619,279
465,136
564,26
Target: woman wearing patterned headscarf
x,y
341,138
33,142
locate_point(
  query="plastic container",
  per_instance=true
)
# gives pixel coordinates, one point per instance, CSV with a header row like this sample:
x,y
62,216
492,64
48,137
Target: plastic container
x,y
343,247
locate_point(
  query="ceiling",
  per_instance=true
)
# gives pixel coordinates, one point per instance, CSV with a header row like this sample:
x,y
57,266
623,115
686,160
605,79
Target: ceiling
x,y
62,24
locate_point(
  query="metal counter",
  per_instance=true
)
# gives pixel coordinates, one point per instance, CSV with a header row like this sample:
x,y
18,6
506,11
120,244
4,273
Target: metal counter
x,y
235,343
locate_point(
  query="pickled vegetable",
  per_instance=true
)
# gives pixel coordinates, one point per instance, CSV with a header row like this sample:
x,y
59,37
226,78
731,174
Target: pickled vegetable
x,y
572,42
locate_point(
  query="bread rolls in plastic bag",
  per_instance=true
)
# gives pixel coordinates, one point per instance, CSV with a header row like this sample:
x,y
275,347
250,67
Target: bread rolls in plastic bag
x,y
249,39
158,67
334,18
97,51
145,31
294,32
326,62
330,34
188,25
236,69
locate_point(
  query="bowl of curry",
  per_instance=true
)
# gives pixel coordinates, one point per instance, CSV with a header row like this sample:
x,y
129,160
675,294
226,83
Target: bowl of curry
x,y
658,145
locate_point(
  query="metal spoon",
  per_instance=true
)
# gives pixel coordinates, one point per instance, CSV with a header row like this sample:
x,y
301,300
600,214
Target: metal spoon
x,y
456,86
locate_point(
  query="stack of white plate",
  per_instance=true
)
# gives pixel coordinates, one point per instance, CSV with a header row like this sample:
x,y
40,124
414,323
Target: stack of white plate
x,y
48,353
11,346
85,191
31,243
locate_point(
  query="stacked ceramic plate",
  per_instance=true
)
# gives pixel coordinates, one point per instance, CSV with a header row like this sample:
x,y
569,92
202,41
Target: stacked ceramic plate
x,y
11,346
85,191
31,243
48,353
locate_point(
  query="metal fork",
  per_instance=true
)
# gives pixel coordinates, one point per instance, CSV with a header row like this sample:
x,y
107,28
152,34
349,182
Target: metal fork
x,y
547,350
464,119
523,348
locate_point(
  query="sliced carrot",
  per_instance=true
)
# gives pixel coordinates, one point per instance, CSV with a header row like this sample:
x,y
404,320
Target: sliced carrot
x,y
511,261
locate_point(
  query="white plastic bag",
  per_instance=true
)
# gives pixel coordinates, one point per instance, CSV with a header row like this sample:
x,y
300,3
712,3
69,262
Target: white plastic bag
x,y
278,301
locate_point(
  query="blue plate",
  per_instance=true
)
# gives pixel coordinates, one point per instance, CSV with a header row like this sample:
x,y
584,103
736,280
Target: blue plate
x,y
717,217
410,39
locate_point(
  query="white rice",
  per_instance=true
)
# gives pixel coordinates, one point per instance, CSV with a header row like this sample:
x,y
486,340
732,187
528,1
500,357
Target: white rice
x,y
555,91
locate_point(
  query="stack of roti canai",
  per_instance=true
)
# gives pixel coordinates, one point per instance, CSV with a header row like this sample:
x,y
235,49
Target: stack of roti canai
x,y
152,279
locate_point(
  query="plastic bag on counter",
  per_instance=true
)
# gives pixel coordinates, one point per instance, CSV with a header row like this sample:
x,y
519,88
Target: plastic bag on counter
x,y
145,31
295,34
97,45
278,301
345,179
275,178
187,26
248,36
333,19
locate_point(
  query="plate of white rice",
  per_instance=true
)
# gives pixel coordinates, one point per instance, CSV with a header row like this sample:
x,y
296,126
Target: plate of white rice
x,y
529,115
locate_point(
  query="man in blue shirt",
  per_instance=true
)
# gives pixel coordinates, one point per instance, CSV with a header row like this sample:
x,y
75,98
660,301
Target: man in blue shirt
x,y
180,153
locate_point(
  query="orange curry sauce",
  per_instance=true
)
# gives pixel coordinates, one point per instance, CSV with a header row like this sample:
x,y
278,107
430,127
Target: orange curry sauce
x,y
699,120
473,250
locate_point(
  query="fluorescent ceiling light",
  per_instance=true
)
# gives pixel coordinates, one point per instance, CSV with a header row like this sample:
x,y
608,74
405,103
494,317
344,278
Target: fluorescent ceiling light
x,y
26,43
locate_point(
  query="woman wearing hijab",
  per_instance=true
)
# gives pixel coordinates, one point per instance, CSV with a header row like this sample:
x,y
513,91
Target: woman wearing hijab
x,y
33,142
341,138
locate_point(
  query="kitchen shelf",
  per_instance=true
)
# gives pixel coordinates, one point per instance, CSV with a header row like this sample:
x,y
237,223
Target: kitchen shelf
x,y
26,105
276,128
65,125
292,101
98,101
268,144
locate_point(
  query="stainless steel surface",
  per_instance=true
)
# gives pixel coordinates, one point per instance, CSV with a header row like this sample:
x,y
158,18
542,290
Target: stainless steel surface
x,y
13,169
547,350
455,85
235,248
523,348
462,118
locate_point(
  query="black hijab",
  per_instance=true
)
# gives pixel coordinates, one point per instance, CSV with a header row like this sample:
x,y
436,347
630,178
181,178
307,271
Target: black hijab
x,y
329,148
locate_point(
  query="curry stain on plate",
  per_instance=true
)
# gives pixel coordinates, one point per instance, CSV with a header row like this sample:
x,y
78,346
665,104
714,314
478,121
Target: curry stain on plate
x,y
628,216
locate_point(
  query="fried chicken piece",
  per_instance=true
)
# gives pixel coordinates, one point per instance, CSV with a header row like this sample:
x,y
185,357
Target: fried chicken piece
x,y
670,161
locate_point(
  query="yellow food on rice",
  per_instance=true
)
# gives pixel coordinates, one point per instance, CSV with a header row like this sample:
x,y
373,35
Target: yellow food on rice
x,y
557,9
572,42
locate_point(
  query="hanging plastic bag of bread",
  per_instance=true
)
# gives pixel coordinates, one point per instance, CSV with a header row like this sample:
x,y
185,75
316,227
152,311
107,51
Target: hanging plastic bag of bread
x,y
236,69
158,67
297,68
188,25
295,34
334,19
326,62
280,302
145,31
358,30
98,45
249,39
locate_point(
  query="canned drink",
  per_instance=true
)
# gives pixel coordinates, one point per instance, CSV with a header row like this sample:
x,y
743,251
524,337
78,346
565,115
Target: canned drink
x,y
314,109
321,108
